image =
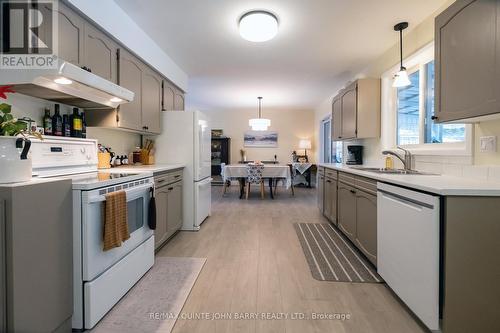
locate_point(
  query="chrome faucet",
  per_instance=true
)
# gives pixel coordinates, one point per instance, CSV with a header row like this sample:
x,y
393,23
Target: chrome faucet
x,y
407,160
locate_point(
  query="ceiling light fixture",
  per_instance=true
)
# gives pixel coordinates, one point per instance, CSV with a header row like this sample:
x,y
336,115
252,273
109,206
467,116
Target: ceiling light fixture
x,y
258,26
401,77
63,80
259,124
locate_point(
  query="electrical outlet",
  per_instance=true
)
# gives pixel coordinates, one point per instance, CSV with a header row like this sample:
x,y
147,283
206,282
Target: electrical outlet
x,y
488,144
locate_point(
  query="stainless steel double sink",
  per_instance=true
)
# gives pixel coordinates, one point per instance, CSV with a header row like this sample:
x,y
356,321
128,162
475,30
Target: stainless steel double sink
x,y
394,171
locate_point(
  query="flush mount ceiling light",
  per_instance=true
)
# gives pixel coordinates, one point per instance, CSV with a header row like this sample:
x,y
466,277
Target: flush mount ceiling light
x,y
259,124
258,26
63,80
401,77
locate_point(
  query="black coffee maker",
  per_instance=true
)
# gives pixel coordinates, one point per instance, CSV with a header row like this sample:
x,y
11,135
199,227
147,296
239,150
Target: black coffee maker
x,y
354,155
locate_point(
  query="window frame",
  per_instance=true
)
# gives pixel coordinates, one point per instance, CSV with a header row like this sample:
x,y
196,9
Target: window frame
x,y
417,61
322,139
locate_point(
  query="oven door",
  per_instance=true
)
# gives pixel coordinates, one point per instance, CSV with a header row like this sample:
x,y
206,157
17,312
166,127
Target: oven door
x,y
95,261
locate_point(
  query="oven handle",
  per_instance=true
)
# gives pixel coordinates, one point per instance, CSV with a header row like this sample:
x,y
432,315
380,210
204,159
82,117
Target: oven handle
x,y
132,193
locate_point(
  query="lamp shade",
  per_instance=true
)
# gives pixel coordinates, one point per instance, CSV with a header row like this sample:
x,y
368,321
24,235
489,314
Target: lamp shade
x,y
259,124
305,144
401,79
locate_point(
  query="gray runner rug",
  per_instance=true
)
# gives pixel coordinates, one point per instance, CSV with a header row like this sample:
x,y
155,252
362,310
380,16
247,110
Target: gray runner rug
x,y
154,303
331,257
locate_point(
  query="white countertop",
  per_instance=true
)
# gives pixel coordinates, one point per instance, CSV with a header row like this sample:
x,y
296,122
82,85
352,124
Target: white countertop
x,y
144,168
438,184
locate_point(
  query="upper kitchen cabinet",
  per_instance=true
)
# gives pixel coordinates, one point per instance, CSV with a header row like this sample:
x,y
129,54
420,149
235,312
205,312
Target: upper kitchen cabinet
x,y
179,100
70,35
467,45
356,111
151,101
168,96
337,118
100,53
130,77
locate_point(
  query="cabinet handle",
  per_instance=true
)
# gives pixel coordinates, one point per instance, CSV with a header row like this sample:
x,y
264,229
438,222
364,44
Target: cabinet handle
x,y
161,181
434,117
170,188
352,191
177,176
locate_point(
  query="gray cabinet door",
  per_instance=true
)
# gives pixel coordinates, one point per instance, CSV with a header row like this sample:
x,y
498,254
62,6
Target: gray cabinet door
x,y
151,101
130,77
100,53
466,60
70,35
366,224
347,210
327,205
179,101
349,112
337,119
174,208
168,96
161,197
333,201
321,193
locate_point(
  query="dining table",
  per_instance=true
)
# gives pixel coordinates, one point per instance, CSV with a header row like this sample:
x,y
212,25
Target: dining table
x,y
271,172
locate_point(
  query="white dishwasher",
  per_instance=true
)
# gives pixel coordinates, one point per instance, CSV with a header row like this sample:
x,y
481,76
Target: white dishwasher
x,y
408,248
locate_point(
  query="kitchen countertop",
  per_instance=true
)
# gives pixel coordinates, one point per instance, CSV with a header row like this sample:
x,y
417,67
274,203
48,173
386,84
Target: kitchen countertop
x,y
438,184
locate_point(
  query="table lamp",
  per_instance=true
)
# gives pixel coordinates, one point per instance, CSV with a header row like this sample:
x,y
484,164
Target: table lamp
x,y
305,144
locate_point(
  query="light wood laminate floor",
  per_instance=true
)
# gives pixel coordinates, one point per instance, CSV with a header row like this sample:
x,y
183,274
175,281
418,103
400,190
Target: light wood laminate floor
x,y
255,264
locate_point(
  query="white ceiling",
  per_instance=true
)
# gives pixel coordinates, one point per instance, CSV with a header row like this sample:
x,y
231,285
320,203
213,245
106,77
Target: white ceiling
x,y
320,44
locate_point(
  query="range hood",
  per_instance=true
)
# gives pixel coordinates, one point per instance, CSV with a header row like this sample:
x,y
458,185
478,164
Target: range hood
x,y
67,84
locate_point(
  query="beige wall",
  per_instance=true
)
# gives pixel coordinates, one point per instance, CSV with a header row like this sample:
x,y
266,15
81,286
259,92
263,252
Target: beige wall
x,y
291,125
417,38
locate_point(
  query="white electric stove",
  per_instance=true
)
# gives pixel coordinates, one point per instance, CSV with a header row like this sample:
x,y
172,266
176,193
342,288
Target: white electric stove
x,y
101,278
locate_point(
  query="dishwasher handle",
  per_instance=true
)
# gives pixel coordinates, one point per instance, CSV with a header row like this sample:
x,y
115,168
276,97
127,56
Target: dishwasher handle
x,y
406,200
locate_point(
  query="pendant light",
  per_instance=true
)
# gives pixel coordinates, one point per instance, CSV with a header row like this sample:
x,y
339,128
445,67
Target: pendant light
x,y
259,124
401,77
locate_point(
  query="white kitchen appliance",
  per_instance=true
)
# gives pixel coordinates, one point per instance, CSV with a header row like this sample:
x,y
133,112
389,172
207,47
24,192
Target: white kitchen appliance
x,y
101,278
408,225
79,87
186,139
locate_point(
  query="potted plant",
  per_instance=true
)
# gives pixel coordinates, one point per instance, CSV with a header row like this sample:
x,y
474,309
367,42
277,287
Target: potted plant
x,y
15,165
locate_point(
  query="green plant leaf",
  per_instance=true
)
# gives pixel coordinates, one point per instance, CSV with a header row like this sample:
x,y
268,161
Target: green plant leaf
x,y
5,108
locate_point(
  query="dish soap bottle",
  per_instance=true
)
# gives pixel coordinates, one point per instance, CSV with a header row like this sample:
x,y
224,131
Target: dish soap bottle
x,y
389,163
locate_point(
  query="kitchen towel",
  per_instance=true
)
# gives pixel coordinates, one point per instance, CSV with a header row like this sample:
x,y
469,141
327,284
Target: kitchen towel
x,y
152,212
115,220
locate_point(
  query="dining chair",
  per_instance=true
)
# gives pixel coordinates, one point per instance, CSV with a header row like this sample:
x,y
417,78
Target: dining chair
x,y
254,176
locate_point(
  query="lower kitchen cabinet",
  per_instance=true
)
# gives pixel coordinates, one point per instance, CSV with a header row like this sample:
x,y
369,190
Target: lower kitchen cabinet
x,y
168,196
321,193
347,210
351,203
330,195
366,224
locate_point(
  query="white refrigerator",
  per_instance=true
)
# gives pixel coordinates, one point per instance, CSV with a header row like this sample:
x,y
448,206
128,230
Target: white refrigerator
x,y
186,139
